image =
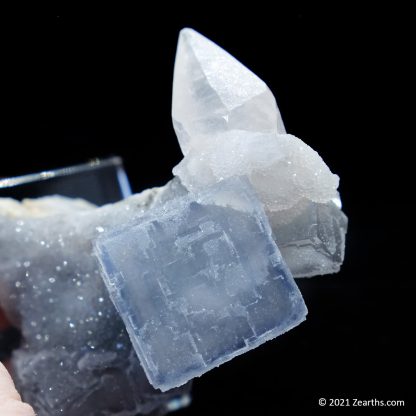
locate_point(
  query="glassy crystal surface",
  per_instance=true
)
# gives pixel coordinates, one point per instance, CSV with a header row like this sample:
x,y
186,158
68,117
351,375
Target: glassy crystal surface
x,y
228,124
199,281
76,357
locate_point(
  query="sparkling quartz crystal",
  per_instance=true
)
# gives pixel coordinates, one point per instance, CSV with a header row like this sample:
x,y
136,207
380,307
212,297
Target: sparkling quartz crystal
x,y
199,281
228,124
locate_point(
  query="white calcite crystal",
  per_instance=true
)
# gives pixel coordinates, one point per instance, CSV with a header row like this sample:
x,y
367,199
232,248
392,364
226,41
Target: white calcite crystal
x,y
213,93
199,281
228,124
76,357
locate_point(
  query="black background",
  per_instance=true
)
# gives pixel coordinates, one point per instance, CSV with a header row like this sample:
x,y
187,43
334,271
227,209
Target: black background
x,y
78,85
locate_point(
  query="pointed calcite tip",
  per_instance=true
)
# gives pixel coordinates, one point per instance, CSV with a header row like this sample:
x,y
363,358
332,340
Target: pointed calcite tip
x,y
214,93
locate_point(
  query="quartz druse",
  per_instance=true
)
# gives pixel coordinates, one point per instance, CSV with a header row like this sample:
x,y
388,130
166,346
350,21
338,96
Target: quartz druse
x,y
76,357
116,303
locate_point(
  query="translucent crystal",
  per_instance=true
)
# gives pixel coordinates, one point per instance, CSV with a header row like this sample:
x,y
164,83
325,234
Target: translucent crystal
x,y
199,281
228,124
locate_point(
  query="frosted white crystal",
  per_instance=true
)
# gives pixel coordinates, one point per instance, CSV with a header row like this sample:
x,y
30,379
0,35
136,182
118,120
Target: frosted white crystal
x,y
214,93
223,131
76,358
199,281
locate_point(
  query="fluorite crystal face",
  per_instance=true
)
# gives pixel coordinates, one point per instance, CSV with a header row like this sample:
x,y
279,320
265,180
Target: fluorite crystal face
x,y
199,281
311,238
183,277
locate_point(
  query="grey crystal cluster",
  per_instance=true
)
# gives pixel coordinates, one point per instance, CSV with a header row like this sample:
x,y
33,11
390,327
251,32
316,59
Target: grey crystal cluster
x,y
119,302
76,357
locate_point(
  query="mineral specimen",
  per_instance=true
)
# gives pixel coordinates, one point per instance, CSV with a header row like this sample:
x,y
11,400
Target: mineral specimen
x,y
191,267
199,281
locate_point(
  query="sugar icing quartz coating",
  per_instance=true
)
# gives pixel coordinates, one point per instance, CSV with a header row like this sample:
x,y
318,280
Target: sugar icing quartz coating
x,y
199,281
228,124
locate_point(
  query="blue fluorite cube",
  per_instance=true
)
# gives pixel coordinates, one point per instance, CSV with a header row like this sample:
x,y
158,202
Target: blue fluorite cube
x,y
199,281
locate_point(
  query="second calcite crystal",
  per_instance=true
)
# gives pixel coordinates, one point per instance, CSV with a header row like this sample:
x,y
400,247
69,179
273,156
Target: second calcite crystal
x,y
199,281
